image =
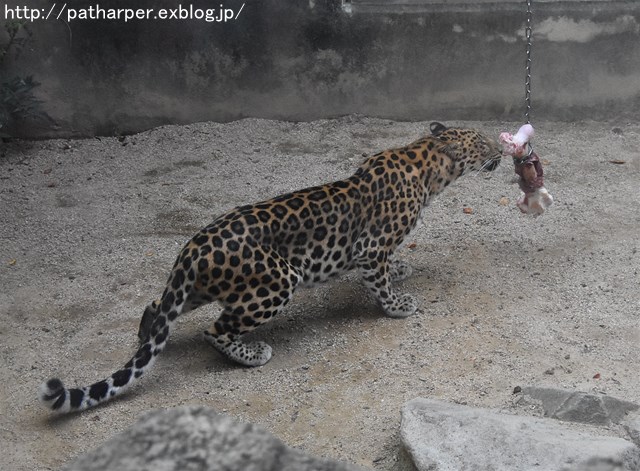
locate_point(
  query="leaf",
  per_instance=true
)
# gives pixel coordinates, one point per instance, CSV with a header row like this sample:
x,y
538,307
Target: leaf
x,y
467,210
596,376
412,245
12,262
18,102
504,201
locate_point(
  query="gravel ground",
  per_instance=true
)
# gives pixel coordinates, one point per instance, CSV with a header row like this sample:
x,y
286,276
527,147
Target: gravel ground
x,y
90,229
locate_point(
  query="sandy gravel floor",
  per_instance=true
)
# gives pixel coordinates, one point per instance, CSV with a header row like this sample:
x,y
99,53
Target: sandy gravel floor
x,y
90,228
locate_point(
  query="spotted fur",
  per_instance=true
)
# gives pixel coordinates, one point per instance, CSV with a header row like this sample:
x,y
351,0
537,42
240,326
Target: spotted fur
x,y
253,258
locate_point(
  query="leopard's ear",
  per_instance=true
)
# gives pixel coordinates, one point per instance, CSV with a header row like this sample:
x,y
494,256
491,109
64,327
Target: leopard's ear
x,y
437,128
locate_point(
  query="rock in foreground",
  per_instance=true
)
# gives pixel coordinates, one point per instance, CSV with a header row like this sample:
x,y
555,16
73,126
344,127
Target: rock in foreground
x,y
443,437
198,439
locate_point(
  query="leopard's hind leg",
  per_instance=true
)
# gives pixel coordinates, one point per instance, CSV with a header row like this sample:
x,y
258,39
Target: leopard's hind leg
x,y
224,335
267,292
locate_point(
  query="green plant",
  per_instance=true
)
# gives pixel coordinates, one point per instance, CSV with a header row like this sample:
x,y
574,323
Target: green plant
x,y
17,102
17,99
19,34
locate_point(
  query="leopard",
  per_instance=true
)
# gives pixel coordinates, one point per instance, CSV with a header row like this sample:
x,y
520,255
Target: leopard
x,y
252,259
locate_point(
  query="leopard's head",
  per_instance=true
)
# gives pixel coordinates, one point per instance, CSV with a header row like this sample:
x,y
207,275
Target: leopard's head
x,y
469,149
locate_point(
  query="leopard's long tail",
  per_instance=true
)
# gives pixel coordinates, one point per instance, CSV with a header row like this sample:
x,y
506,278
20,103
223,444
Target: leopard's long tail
x,y
58,398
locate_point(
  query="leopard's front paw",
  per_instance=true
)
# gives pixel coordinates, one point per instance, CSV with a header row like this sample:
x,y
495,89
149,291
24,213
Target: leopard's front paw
x,y
404,306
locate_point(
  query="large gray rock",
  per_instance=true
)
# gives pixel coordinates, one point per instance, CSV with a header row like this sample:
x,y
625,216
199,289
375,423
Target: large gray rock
x,y
573,406
442,436
631,424
195,439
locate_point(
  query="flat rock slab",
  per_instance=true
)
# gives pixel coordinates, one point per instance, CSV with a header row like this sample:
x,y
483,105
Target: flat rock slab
x,y
575,406
441,436
194,439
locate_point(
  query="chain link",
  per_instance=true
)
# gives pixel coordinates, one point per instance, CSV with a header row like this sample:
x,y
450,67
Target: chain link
x,y
527,81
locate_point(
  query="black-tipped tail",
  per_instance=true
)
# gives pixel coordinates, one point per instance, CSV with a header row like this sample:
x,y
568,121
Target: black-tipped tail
x,y
60,399
56,397
53,394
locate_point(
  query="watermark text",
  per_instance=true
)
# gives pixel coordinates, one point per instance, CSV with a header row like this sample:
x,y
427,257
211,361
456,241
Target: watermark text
x,y
61,11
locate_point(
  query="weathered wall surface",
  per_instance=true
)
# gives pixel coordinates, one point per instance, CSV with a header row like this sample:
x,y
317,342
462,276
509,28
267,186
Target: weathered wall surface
x,y
308,59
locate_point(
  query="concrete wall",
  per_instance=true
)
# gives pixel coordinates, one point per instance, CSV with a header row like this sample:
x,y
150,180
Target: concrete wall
x,y
308,59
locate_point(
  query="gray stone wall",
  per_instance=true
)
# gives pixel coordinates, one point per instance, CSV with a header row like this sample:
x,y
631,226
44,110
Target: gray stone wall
x,y
309,59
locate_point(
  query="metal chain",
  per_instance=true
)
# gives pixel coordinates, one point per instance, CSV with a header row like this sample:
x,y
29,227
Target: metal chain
x,y
527,81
